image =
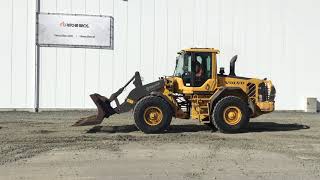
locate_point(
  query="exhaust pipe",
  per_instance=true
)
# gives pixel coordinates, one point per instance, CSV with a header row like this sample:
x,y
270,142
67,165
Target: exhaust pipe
x,y
232,65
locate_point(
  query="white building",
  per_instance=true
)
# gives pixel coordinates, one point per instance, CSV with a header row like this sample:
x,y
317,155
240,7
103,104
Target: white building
x,y
277,39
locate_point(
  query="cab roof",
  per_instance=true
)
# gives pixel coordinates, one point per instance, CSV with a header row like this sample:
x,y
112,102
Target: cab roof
x,y
202,50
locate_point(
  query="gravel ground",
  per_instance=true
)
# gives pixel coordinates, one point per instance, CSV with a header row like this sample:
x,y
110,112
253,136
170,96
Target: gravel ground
x,y
45,146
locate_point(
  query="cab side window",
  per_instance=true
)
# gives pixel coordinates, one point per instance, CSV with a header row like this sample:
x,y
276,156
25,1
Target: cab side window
x,y
202,68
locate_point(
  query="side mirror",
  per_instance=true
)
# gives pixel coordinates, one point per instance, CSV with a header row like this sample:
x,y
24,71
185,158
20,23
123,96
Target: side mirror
x,y
187,78
221,71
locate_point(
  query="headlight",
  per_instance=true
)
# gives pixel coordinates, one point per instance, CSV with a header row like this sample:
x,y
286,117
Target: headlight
x,y
272,93
263,92
266,91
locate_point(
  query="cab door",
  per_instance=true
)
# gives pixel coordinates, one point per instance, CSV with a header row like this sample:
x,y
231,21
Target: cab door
x,y
201,67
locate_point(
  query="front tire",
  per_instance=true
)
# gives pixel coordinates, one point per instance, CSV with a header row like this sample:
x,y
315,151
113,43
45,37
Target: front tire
x,y
152,114
231,115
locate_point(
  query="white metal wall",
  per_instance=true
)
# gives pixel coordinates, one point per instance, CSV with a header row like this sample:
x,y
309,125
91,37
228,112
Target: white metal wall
x,y
17,39
277,39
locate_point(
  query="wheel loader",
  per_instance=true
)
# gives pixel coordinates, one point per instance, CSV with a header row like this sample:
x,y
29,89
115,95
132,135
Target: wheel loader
x,y
196,90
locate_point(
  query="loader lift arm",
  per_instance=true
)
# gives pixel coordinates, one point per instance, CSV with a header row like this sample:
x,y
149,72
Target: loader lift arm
x,y
103,103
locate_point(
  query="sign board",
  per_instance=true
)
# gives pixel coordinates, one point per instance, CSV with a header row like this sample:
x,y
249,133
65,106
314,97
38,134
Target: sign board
x,y
74,30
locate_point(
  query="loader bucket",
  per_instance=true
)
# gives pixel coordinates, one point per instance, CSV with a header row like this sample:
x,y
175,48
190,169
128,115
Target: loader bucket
x,y
104,111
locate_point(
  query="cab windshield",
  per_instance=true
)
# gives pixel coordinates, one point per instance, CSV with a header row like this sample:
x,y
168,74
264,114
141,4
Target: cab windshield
x,y
183,64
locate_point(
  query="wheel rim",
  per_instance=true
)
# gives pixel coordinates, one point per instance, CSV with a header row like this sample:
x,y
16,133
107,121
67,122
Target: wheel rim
x,y
232,115
153,115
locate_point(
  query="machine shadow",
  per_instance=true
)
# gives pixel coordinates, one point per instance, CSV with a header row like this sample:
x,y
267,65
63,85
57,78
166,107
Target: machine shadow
x,y
132,128
253,127
272,126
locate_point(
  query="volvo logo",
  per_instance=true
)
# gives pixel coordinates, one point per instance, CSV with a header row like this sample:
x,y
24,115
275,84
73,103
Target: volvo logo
x,y
234,82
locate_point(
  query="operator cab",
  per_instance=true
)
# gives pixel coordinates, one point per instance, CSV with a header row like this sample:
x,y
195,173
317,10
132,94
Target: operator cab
x,y
195,68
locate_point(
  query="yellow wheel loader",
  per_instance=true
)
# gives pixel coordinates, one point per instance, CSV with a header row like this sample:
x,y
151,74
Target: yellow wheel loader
x,y
196,90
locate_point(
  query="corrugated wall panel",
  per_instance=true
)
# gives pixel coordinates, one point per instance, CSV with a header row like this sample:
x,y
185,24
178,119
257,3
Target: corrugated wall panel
x,y
106,56
304,39
134,37
120,47
17,54
147,39
30,54
174,33
63,66
160,40
187,19
48,66
19,51
6,53
92,59
286,60
78,65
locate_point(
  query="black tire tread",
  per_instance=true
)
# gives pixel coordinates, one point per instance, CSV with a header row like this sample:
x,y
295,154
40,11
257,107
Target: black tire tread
x,y
245,120
166,109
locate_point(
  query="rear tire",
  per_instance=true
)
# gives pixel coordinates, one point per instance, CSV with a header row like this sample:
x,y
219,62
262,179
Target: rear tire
x,y
231,115
152,114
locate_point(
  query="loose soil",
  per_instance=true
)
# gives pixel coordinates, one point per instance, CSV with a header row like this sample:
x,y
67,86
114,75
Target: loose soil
x,y
45,146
